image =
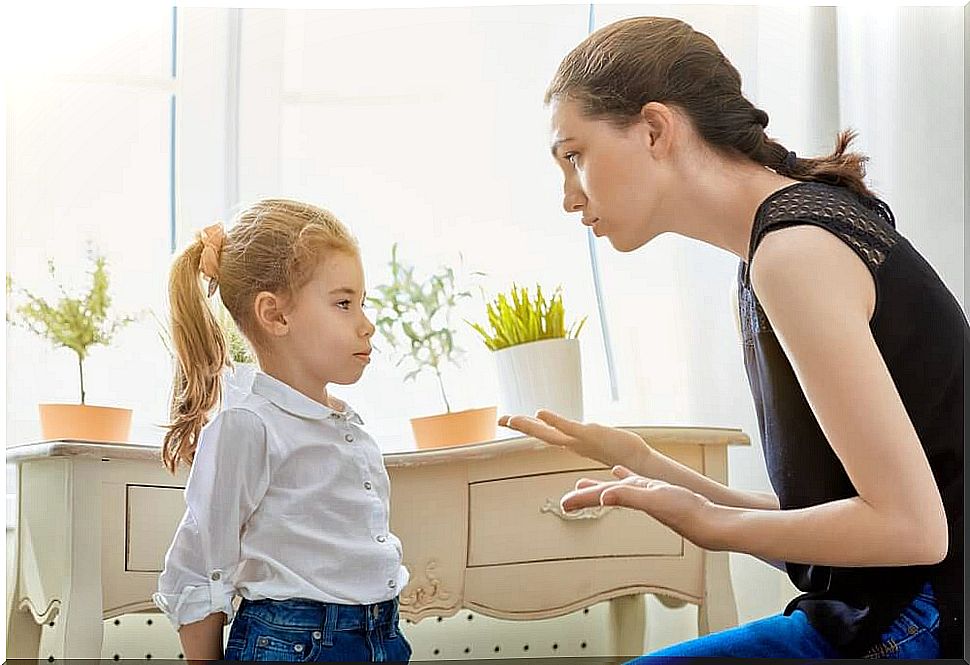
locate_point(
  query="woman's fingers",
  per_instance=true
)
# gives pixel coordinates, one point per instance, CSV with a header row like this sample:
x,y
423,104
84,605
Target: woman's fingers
x,y
561,423
535,428
628,496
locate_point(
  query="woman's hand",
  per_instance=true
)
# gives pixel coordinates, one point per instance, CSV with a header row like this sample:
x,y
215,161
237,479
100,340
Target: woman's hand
x,y
604,444
686,512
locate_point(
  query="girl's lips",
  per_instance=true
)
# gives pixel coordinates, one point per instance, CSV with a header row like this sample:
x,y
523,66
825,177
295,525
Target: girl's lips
x,y
363,357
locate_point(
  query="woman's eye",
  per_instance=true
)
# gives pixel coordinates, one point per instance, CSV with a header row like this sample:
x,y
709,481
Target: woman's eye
x,y
571,157
344,304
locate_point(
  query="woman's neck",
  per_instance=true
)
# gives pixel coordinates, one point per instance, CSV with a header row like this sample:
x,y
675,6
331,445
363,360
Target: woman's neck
x,y
719,202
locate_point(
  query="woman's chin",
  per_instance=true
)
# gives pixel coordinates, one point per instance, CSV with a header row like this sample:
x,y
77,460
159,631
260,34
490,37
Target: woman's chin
x,y
625,244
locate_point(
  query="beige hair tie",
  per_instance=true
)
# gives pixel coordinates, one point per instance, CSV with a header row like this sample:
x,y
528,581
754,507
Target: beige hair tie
x,y
212,238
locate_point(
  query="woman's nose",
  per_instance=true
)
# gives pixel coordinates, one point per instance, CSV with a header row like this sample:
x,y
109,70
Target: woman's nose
x,y
573,199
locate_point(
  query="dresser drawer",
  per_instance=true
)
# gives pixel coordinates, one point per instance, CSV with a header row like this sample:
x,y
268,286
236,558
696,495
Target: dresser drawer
x,y
153,515
532,526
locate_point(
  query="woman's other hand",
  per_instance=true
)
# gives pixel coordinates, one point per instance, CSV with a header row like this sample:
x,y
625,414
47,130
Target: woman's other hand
x,y
686,512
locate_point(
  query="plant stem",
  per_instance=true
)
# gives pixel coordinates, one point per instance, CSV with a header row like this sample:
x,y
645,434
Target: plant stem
x,y
441,385
80,367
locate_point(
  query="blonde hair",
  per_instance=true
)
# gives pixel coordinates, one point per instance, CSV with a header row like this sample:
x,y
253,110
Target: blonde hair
x,y
273,245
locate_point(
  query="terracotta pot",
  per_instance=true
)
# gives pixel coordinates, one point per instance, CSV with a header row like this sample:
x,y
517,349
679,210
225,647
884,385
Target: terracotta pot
x,y
84,422
458,427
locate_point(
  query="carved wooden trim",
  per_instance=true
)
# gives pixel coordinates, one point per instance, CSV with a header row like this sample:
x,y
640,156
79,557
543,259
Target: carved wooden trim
x,y
49,614
420,596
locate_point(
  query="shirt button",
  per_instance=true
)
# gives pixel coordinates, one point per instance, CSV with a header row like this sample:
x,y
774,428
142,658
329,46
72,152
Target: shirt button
x,y
391,583
348,438
215,576
381,539
367,485
317,634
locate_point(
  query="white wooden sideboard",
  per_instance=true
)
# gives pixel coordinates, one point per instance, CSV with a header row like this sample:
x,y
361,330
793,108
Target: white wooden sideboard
x,y
480,525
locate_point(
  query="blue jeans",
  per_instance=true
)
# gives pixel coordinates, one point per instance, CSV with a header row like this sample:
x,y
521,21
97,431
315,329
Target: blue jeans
x,y
912,635
299,630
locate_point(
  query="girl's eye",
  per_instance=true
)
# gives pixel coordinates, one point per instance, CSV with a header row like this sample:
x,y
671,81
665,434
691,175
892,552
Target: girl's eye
x,y
344,304
571,157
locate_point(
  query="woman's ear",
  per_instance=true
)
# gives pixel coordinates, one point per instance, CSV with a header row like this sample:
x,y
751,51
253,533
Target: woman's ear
x,y
658,124
270,314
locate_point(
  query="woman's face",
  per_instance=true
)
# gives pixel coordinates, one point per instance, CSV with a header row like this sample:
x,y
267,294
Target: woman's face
x,y
612,176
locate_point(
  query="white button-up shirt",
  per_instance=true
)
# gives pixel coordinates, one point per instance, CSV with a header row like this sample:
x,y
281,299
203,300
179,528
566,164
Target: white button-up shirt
x,y
286,498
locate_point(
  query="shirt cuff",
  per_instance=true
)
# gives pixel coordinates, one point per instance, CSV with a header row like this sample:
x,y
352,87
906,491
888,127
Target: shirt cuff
x,y
195,603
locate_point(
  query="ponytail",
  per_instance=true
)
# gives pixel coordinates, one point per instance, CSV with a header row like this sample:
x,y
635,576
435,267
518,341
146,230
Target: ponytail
x,y
840,168
201,354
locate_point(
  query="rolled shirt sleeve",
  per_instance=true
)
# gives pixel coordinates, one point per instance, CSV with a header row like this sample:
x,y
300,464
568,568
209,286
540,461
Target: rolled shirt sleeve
x,y
229,476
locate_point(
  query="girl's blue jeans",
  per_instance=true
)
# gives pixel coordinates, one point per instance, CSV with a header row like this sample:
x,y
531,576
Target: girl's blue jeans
x,y
299,630
912,635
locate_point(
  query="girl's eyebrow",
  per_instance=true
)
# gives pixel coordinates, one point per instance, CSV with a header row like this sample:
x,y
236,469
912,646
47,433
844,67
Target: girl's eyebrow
x,y
344,289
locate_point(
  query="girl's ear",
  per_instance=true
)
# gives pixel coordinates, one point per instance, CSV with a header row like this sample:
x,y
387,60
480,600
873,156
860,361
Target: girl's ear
x,y
270,315
658,124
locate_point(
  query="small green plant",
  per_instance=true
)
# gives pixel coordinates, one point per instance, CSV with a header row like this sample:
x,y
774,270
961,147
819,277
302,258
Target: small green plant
x,y
525,319
74,322
415,318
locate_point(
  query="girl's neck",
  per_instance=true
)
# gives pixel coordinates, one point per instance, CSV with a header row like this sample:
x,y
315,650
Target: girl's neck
x,y
297,379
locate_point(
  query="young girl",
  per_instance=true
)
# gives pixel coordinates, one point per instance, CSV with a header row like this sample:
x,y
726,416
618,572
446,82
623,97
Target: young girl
x,y
287,496
853,346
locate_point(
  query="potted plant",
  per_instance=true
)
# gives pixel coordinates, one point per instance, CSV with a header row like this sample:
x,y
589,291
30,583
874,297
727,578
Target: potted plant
x,y
537,357
414,317
76,323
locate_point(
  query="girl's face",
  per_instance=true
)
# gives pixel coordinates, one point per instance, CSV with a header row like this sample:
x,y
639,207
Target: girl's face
x,y
330,334
612,176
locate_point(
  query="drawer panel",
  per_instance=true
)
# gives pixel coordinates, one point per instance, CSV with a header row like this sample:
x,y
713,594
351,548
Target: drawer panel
x,y
519,520
154,514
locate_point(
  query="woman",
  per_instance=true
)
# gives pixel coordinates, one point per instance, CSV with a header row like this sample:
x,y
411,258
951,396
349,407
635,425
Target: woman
x,y
852,344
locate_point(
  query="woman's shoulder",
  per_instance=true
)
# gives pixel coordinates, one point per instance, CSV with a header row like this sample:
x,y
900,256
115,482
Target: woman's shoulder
x,y
865,225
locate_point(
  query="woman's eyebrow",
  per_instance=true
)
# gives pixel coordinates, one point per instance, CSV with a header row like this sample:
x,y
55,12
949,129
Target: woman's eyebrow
x,y
555,146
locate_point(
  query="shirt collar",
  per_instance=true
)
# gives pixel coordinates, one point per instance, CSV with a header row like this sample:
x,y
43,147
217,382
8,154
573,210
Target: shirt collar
x,y
295,402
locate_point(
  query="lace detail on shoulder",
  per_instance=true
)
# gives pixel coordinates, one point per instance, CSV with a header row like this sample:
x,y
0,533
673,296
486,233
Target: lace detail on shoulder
x,y
865,225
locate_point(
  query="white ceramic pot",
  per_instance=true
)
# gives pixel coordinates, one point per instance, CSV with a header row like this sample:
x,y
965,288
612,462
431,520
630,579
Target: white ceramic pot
x,y
541,375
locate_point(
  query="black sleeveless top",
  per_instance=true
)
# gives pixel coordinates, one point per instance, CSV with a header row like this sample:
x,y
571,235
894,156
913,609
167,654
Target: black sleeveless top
x,y
922,333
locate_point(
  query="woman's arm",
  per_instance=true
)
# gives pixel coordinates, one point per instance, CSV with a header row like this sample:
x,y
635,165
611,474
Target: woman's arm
x,y
616,447
819,297
202,640
654,464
